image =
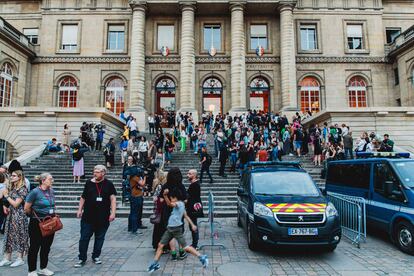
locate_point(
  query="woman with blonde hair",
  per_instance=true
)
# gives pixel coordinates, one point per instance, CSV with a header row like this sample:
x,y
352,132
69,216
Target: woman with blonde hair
x,y
40,203
16,237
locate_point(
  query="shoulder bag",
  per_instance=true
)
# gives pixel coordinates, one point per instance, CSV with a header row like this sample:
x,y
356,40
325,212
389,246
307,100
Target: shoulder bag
x,y
49,225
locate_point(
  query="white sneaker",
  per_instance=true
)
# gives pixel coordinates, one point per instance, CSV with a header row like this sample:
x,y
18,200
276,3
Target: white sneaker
x,y
5,262
33,273
46,272
17,262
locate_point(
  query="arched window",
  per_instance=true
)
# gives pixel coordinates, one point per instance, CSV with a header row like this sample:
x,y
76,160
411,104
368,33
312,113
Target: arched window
x,y
212,86
357,92
309,95
68,90
259,94
114,95
6,85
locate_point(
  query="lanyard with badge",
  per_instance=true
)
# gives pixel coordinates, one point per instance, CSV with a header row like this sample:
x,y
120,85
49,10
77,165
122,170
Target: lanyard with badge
x,y
49,198
99,190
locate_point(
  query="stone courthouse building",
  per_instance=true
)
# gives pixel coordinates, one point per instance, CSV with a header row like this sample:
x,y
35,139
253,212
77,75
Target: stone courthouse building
x,y
74,60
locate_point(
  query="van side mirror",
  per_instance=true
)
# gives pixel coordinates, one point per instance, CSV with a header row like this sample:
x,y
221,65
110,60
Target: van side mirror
x,y
241,192
388,187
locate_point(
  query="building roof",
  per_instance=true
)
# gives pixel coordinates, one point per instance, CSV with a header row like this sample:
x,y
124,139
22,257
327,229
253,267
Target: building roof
x,y
13,36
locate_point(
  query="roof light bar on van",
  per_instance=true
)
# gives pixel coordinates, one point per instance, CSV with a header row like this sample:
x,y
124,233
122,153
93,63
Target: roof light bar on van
x,y
383,154
266,164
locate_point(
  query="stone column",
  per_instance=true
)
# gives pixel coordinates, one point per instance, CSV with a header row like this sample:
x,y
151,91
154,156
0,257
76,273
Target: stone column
x,y
287,58
238,65
187,66
137,69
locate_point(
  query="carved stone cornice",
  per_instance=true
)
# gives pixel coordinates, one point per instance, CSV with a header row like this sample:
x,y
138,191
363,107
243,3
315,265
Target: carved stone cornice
x,y
191,5
262,59
321,59
138,4
212,59
237,5
154,60
68,59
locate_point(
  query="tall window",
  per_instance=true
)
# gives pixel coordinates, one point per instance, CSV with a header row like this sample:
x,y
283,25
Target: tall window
x,y
116,37
308,39
165,36
6,85
357,90
3,151
258,36
309,95
392,33
32,35
212,37
114,95
69,37
68,90
354,33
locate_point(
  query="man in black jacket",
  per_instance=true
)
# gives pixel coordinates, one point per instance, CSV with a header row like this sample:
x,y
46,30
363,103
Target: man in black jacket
x,y
224,154
194,205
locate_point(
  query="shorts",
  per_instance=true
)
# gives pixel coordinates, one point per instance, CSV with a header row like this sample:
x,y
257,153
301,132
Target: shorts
x,y
298,144
174,233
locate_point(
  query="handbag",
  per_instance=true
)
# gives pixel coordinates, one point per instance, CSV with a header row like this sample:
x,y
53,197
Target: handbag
x,y
198,210
49,225
155,218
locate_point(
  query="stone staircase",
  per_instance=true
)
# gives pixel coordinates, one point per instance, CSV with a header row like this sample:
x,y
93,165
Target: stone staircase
x,y
68,193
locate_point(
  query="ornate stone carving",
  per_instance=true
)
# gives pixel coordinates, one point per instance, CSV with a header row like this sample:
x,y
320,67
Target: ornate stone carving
x,y
60,59
322,59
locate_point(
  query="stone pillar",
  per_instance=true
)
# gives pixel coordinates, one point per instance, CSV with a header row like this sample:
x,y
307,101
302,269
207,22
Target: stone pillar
x,y
137,69
187,66
238,52
288,59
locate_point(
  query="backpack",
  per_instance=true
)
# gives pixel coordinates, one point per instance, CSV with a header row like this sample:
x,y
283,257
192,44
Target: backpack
x,y
126,189
209,160
106,151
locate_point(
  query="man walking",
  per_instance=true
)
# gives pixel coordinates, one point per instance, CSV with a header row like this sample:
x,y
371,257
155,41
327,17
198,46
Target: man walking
x,y
348,145
223,156
97,209
205,162
194,205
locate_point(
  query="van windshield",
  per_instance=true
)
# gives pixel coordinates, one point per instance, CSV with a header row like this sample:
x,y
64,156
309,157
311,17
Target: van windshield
x,y
406,172
283,183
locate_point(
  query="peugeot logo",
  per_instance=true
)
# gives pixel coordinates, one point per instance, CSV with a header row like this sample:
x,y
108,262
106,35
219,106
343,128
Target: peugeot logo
x,y
300,218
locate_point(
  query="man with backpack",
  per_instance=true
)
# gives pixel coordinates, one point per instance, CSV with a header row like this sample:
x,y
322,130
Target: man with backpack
x,y
205,162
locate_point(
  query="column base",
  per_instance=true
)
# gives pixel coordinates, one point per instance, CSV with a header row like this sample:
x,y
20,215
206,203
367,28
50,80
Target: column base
x,y
193,111
142,118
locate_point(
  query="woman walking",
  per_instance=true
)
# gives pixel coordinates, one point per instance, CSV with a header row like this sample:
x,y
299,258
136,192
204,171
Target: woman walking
x,y
183,139
41,203
109,152
16,237
317,150
66,137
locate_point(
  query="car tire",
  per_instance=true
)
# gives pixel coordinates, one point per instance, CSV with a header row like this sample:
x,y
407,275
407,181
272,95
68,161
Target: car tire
x,y
404,237
251,241
330,248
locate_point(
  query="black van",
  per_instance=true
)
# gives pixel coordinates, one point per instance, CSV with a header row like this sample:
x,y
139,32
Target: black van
x,y
279,204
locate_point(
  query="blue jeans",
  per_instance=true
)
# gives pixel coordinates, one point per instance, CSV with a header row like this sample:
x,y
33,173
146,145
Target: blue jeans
x,y
167,155
349,153
208,128
135,214
195,145
243,167
86,232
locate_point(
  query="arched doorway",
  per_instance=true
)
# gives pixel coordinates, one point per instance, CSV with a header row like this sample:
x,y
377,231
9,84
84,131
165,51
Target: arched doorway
x,y
212,96
165,95
310,95
259,94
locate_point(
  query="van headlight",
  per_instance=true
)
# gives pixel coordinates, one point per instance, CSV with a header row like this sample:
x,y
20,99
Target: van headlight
x,y
261,210
331,210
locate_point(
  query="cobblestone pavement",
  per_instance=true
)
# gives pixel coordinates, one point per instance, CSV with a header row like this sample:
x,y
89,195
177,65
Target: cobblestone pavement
x,y
125,254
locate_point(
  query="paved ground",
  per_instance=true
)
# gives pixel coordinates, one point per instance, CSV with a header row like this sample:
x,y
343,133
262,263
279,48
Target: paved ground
x,y
124,255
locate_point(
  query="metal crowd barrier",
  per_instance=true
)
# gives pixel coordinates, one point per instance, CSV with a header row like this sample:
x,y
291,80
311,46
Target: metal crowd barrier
x,y
352,213
211,222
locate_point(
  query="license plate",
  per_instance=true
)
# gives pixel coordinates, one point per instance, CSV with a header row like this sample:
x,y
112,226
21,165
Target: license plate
x,y
302,231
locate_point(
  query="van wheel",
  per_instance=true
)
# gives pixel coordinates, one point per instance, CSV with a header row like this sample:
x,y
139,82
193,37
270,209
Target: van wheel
x,y
251,241
404,236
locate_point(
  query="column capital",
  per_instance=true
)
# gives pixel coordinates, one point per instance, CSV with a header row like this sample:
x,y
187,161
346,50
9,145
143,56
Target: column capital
x,y
237,5
286,6
138,5
187,5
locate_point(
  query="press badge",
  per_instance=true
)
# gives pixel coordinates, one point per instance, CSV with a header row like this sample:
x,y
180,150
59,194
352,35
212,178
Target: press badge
x,y
99,198
51,211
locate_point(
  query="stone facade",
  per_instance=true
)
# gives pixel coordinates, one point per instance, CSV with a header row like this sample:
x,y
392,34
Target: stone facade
x,y
283,63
